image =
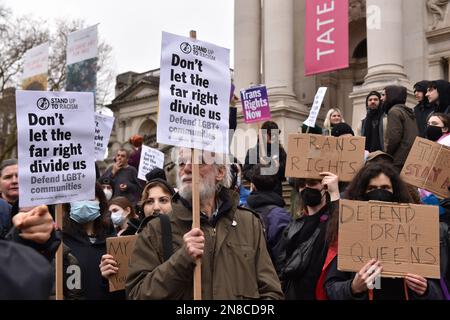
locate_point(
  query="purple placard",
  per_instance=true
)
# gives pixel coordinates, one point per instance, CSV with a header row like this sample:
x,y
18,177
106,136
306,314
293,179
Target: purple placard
x,y
255,104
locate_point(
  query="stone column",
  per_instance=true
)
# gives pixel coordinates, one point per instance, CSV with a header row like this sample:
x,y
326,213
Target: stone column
x,y
247,43
279,47
384,41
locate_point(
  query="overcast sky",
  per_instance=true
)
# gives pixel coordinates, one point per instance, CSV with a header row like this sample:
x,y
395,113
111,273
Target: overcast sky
x,y
133,27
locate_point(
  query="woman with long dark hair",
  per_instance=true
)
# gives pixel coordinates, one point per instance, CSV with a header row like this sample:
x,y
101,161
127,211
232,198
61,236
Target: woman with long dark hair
x,y
379,182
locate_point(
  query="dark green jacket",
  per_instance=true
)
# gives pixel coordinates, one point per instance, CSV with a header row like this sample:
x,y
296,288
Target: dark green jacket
x,y
235,264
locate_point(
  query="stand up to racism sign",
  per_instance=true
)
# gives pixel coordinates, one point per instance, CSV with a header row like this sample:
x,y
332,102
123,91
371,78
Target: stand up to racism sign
x,y
194,94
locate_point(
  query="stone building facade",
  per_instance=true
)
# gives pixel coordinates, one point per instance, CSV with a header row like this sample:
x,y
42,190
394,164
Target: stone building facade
x,y
390,42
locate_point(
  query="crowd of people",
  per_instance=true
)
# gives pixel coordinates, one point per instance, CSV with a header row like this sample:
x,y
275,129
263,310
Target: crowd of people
x,y
250,245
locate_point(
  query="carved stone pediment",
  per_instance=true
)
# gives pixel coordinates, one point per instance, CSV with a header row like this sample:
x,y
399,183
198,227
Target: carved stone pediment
x,y
141,89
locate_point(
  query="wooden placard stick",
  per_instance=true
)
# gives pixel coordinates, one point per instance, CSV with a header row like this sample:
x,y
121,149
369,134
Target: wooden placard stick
x,y
196,208
59,256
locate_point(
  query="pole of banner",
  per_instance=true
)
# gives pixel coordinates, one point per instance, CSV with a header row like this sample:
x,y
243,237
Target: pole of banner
x,y
59,256
196,208
262,147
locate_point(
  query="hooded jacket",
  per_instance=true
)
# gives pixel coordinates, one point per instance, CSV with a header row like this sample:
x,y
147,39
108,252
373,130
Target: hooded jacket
x,y
235,263
443,88
83,279
423,109
401,126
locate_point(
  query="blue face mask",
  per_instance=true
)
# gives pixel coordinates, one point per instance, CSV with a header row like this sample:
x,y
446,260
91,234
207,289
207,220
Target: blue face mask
x,y
84,211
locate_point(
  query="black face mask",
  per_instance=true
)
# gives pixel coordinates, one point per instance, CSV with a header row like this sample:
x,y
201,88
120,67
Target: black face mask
x,y
311,197
379,195
433,133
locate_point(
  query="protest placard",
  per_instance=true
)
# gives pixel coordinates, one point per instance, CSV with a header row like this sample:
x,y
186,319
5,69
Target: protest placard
x,y
103,128
255,104
428,167
310,154
35,68
404,237
55,133
121,248
82,51
315,109
150,159
194,94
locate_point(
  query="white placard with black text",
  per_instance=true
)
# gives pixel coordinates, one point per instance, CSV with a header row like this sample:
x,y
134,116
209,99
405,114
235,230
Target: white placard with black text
x,y
56,155
318,99
103,128
150,159
194,94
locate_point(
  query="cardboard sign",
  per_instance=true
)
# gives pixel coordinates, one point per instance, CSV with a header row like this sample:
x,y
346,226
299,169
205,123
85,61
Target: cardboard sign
x,y
404,237
194,93
55,133
103,128
326,36
255,104
310,154
150,159
428,167
315,109
121,248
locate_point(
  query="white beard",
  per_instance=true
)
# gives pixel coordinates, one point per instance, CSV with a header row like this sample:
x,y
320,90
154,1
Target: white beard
x,y
207,186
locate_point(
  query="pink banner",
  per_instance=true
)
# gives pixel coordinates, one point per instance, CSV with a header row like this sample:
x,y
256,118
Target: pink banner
x,y
326,36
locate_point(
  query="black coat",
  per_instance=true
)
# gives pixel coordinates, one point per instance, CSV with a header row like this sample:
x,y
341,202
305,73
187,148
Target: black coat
x,y
338,287
85,277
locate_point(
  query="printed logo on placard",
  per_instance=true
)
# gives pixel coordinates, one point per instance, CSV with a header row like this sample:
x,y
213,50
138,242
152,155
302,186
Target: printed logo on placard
x,y
203,52
43,103
186,47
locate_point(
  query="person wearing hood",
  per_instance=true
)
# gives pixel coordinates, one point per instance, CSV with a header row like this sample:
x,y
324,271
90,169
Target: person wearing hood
x,y
269,205
401,125
423,108
438,95
373,126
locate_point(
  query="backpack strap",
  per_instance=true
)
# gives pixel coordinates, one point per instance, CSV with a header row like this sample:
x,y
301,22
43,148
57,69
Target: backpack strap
x,y
166,232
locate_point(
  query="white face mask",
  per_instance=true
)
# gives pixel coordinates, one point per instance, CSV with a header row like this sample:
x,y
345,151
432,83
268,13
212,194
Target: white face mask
x,y
108,193
117,218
